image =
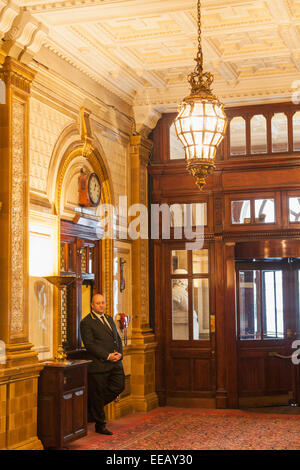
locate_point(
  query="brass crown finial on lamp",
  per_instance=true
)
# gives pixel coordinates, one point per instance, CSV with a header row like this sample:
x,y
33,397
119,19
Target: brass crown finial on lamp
x,y
201,122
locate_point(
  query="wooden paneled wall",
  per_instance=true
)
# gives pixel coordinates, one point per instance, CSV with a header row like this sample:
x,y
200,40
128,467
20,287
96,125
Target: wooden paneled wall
x,y
216,373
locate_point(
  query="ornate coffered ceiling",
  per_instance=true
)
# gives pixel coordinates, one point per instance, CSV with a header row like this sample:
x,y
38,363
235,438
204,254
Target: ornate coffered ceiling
x,y
143,50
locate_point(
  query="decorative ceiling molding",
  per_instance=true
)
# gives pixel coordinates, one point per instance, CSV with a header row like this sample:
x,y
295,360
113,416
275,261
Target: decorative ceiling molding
x,y
146,118
143,51
8,12
22,35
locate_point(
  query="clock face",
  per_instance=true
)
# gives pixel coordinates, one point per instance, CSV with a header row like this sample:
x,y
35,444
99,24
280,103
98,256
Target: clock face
x,y
94,189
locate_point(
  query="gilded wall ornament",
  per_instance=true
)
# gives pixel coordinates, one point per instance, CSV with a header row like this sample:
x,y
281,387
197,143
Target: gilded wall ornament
x,y
18,255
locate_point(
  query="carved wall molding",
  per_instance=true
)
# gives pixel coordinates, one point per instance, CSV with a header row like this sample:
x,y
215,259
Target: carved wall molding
x,y
8,13
56,5
17,78
109,114
22,34
18,254
247,236
146,118
16,75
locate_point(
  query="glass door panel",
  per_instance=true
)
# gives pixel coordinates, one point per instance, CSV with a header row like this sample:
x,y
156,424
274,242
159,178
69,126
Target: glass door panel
x,y
249,288
273,305
200,261
180,309
261,303
179,262
200,309
189,277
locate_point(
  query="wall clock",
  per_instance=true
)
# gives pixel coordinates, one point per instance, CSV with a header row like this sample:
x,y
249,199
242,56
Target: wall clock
x,y
89,190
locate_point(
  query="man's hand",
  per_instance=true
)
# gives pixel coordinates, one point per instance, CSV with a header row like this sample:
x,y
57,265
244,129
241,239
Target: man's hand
x,y
114,357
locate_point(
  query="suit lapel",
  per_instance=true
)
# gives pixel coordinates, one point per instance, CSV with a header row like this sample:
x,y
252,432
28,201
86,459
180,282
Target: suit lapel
x,y
103,325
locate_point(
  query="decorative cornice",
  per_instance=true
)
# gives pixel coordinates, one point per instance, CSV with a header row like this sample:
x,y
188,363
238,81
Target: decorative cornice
x,y
146,118
22,34
98,78
8,13
65,4
263,235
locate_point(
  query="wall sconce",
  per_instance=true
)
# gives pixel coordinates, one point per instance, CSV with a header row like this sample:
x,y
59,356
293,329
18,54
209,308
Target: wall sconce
x,y
80,251
80,247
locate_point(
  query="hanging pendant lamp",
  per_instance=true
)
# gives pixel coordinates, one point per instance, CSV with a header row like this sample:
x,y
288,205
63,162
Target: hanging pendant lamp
x,y
201,122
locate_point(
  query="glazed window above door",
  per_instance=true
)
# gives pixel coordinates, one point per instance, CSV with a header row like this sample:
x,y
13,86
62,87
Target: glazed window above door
x,y
253,211
189,215
190,294
294,209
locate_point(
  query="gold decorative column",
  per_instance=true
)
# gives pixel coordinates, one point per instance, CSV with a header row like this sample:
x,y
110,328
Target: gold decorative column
x,y
143,343
20,369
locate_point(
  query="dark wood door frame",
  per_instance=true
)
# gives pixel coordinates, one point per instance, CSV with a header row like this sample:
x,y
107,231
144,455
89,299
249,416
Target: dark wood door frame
x,y
196,358
230,326
262,249
81,237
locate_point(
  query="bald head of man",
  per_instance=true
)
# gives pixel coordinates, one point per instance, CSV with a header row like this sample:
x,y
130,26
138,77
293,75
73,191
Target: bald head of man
x,y
98,303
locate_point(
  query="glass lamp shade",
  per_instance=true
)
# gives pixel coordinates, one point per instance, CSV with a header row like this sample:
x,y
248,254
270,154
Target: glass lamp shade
x,y
200,126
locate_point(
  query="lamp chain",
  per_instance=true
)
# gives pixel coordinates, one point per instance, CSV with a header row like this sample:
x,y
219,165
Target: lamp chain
x,y
199,54
201,123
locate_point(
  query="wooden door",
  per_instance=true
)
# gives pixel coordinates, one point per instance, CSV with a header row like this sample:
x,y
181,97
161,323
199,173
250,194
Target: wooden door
x,y
80,255
187,365
267,295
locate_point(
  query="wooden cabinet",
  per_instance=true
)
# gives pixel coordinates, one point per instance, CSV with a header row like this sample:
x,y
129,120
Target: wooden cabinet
x,y
62,403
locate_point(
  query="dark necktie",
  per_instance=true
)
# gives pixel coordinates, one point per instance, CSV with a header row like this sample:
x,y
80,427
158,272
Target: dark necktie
x,y
105,321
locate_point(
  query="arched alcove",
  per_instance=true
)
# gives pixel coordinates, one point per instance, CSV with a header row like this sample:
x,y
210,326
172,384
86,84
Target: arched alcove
x,y
70,154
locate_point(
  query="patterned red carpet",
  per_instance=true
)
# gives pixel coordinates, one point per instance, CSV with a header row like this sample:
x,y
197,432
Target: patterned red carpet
x,y
189,429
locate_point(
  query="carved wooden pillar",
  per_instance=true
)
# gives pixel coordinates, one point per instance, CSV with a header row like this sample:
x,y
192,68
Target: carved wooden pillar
x,y
143,344
20,368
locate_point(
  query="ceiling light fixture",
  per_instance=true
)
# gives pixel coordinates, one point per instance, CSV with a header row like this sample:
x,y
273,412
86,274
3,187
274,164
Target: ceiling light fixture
x,y
201,122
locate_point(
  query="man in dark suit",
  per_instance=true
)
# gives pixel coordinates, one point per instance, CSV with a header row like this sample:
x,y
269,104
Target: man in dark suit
x,y
105,373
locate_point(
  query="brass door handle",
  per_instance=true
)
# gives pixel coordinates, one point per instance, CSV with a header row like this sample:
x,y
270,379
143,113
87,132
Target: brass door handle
x,y
280,356
290,333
